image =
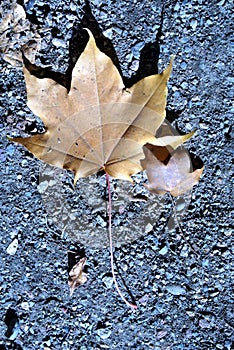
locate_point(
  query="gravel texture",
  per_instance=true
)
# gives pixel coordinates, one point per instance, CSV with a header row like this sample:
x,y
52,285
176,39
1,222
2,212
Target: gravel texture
x,y
183,291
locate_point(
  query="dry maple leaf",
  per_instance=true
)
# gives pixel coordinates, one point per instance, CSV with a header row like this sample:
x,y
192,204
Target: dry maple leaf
x,y
98,124
76,276
175,177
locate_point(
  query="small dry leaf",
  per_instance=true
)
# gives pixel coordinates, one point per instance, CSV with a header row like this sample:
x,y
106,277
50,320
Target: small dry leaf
x,y
18,34
76,276
175,177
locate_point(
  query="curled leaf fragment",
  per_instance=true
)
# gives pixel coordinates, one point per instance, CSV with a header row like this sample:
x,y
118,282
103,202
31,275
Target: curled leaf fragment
x,y
76,276
17,35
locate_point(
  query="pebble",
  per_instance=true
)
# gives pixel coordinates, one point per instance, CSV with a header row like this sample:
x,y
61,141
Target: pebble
x,y
163,251
108,281
108,33
10,150
12,248
101,221
104,333
135,65
184,85
24,163
175,290
183,65
161,334
148,228
209,22
15,331
180,205
42,187
204,324
25,305
72,6
136,49
143,300
193,23
2,155
59,43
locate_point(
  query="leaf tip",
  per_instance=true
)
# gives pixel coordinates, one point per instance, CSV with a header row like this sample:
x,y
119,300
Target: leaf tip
x,y
76,178
172,59
91,37
188,136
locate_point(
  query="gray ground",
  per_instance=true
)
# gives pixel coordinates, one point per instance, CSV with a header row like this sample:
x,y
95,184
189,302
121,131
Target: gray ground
x,y
184,299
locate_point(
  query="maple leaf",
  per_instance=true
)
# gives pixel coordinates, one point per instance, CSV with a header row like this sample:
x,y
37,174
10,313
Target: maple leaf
x,y
76,276
98,124
175,177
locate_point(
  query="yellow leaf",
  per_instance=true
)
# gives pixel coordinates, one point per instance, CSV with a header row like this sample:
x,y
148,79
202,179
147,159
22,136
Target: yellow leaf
x,y
98,124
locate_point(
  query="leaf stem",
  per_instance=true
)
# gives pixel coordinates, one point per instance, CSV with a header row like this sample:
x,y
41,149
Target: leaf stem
x,y
111,243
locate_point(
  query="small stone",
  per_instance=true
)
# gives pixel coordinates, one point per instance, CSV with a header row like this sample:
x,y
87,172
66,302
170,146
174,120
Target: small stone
x,y
184,85
193,23
69,25
108,33
59,43
136,49
52,182
135,65
104,333
42,187
72,6
161,334
12,248
143,300
184,40
205,263
148,228
25,305
204,324
180,205
183,65
101,221
175,290
24,163
108,281
15,331
163,251
10,150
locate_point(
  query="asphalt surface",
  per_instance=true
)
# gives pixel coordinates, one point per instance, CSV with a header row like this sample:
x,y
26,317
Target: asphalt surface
x,y
183,291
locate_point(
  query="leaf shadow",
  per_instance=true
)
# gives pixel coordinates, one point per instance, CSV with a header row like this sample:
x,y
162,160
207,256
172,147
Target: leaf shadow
x,y
148,63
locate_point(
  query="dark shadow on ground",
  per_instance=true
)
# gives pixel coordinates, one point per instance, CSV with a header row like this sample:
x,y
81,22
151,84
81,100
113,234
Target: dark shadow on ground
x,y
149,56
